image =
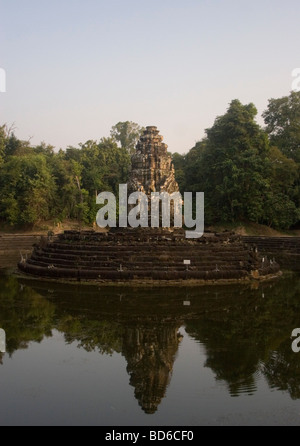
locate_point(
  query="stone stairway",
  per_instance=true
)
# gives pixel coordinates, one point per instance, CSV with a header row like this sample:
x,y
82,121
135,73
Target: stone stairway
x,y
146,254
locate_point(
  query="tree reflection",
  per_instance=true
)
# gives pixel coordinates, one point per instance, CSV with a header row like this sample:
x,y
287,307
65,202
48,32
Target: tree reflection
x,y
24,314
252,336
282,370
92,335
245,331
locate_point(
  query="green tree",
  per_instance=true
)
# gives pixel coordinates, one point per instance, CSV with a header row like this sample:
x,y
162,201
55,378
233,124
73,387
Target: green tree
x,y
282,119
44,149
280,208
37,183
179,165
16,147
27,190
127,134
68,196
3,142
105,166
234,166
195,179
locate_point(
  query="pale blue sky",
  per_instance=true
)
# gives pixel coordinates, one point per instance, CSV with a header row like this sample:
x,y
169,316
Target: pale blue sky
x,y
75,68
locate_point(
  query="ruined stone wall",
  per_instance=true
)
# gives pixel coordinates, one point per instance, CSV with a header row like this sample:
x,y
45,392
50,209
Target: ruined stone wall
x,y
285,250
13,247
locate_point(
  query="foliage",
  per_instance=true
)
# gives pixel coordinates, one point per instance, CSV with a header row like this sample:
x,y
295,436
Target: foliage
x,y
282,119
24,313
127,134
280,207
244,178
246,172
27,190
37,184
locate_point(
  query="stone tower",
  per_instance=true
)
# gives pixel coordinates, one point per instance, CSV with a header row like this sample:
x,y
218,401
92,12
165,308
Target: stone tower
x,y
152,168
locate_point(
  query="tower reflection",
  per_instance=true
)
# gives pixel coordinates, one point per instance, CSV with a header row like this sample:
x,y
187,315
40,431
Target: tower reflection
x,y
244,331
150,352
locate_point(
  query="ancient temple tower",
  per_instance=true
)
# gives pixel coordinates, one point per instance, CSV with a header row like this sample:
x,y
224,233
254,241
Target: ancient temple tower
x,y
152,168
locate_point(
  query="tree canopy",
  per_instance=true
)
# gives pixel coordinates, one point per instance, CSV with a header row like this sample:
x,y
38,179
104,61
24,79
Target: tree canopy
x,y
282,119
127,134
37,184
244,176
248,173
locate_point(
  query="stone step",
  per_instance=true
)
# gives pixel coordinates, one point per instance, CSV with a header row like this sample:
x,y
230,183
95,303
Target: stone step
x,y
146,257
130,255
129,275
88,250
141,265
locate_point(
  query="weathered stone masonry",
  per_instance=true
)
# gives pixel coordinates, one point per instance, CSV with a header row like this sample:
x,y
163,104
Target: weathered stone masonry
x,y
152,167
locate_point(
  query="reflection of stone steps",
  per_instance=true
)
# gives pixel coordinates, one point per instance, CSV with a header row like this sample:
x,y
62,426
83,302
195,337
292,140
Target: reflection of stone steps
x,y
12,246
146,254
286,250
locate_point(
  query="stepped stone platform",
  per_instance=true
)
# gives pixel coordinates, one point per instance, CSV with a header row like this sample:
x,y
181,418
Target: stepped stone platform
x,y
147,255
286,250
15,246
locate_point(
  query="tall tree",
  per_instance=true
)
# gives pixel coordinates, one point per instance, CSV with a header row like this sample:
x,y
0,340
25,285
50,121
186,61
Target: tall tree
x,y
27,190
105,166
193,167
3,142
179,165
234,166
280,206
127,134
282,119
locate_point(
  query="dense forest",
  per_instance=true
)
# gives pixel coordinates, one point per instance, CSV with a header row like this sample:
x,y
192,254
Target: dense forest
x,y
249,173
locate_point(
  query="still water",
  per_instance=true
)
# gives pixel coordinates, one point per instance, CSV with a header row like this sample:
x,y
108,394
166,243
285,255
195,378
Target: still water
x,y
78,355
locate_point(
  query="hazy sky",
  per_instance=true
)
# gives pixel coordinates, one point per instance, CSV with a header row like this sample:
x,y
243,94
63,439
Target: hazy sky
x,y
75,68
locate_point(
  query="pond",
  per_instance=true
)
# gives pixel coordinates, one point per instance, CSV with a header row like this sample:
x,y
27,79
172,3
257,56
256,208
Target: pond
x,y
83,355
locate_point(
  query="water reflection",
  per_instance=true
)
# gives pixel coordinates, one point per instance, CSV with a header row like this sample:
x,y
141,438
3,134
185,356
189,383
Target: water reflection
x,y
24,315
150,351
245,331
251,336
282,370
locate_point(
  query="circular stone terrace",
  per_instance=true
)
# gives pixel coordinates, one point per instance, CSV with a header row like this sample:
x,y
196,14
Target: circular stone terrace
x,y
147,256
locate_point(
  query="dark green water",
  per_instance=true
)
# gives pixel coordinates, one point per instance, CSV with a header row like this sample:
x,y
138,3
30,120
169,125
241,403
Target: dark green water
x,y
177,357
